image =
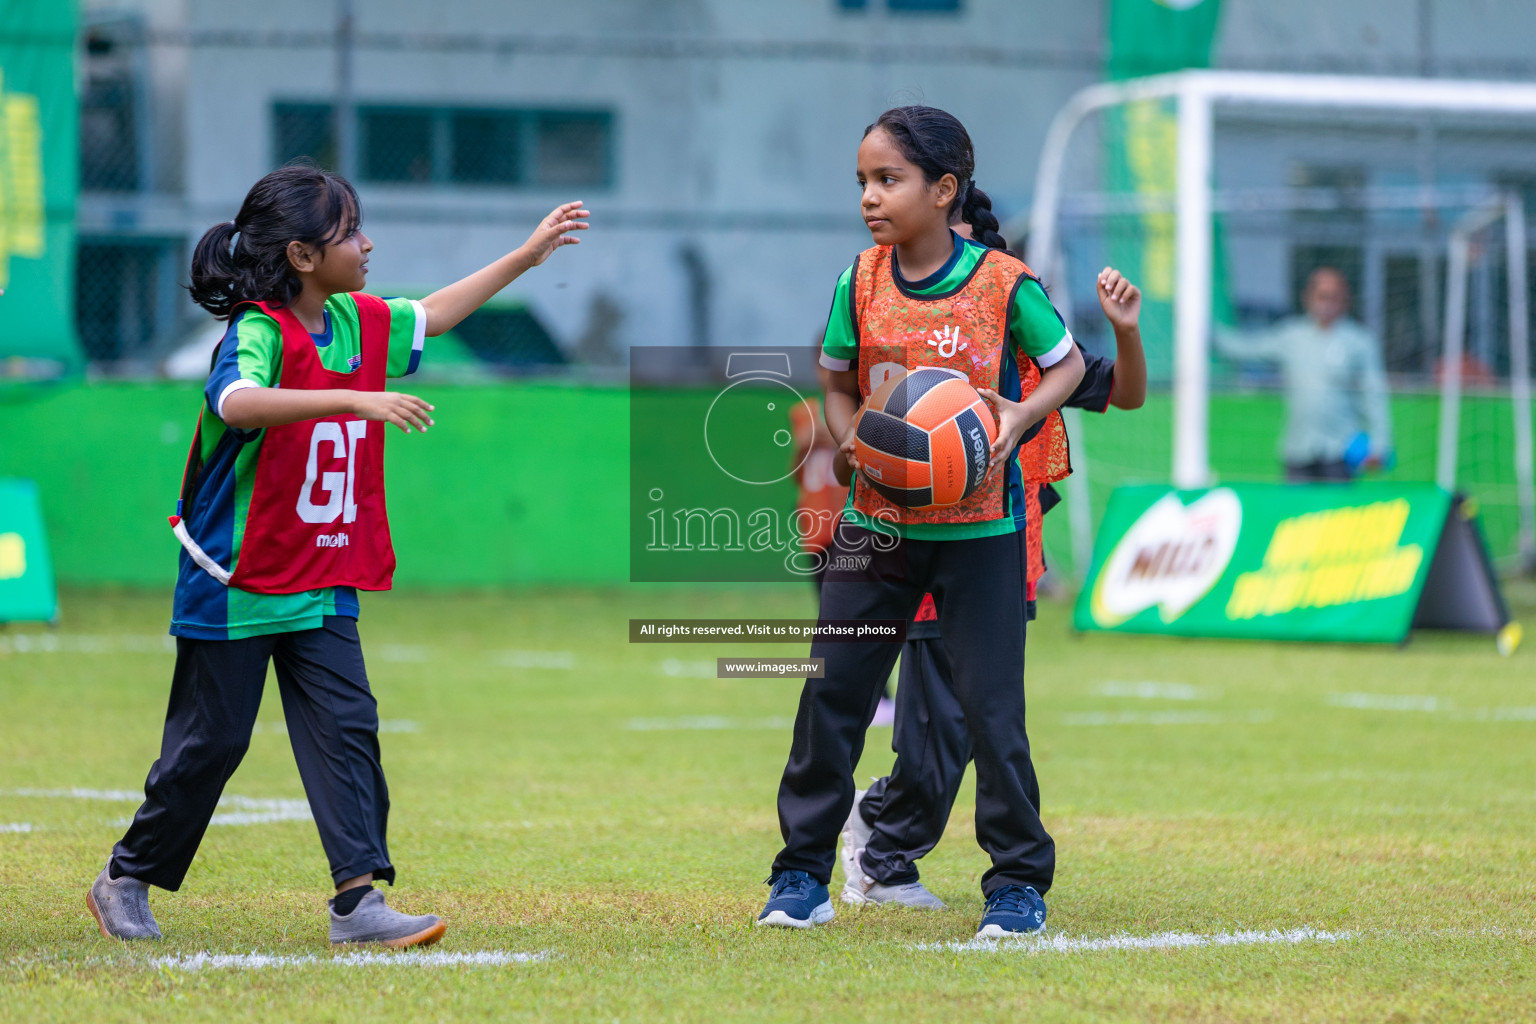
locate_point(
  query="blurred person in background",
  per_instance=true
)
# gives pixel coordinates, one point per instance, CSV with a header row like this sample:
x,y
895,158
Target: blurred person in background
x,y
1336,419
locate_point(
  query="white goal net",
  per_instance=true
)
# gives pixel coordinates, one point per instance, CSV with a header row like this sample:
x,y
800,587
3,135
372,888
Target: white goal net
x,y
1222,194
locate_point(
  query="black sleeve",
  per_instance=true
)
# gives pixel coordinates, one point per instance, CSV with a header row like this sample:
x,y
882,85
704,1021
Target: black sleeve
x,y
1098,381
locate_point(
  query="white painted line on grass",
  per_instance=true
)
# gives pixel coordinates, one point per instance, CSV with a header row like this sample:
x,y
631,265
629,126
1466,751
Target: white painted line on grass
x,y
385,725
1146,690
535,659
707,722
408,653
1167,717
79,643
267,961
246,810
677,668
16,826
252,811
76,793
1388,702
1425,704
1501,715
1162,940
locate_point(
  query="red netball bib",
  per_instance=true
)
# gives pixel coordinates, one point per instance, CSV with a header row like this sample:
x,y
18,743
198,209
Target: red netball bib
x,y
316,516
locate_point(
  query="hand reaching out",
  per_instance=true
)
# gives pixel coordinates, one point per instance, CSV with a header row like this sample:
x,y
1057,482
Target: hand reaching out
x,y
403,410
1120,299
554,231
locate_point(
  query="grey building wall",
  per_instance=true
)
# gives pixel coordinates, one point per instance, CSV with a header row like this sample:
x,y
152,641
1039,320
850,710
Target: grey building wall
x,y
736,125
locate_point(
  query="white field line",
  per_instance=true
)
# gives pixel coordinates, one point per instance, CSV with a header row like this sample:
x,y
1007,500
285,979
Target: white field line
x,y
1425,704
76,793
385,725
408,653
251,811
677,668
1388,702
1162,940
266,961
16,826
562,660
1146,690
80,643
1167,717
245,810
707,722
1500,715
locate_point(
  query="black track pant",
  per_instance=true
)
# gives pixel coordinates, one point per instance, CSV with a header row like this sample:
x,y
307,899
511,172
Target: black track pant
x,y
978,586
333,725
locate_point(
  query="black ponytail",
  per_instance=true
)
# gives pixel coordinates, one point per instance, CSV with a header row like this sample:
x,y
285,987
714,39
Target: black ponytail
x,y
976,211
938,143
246,259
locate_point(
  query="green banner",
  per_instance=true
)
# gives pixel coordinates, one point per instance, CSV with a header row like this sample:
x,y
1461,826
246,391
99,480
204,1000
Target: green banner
x,y
1276,561
1149,37
39,145
27,592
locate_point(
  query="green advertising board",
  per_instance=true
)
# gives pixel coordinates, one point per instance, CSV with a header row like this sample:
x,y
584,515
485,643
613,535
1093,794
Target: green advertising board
x,y
39,139
27,592
1291,562
1151,37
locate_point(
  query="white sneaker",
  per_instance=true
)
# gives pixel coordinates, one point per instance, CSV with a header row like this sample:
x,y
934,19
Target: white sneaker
x,y
855,837
860,888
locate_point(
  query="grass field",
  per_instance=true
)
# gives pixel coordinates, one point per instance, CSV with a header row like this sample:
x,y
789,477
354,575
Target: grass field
x,y
1369,814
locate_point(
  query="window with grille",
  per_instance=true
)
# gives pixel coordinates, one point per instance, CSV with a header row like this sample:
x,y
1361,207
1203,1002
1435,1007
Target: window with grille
x,y
419,145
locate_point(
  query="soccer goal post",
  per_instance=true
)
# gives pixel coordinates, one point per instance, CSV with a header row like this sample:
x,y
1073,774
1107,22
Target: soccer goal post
x,y
1212,170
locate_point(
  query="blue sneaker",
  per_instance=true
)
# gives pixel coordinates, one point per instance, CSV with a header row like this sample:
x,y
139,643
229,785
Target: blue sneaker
x,y
1012,910
796,901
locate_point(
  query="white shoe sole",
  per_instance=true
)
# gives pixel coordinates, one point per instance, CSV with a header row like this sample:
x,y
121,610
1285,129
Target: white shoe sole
x,y
997,931
779,919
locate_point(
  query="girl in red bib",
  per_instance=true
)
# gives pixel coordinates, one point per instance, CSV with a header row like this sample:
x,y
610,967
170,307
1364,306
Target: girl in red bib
x,y
282,520
923,296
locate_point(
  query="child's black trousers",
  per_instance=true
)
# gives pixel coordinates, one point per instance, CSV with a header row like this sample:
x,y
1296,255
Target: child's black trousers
x,y
979,587
333,725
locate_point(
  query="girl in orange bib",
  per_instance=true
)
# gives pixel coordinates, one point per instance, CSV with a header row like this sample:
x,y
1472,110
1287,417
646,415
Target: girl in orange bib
x,y
925,297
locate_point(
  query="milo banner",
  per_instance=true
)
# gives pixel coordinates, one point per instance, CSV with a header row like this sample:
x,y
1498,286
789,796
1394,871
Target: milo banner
x,y
27,591
1363,563
39,140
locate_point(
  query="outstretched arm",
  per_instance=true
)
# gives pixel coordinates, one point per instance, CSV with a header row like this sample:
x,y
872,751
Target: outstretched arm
x,y
447,306
253,408
1121,302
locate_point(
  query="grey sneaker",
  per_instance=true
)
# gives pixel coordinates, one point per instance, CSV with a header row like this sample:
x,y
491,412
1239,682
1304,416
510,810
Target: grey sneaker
x,y
860,888
121,907
373,921
855,837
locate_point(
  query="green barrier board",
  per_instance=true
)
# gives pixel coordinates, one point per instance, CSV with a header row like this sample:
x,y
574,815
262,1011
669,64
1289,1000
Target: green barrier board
x,y
27,592
1292,562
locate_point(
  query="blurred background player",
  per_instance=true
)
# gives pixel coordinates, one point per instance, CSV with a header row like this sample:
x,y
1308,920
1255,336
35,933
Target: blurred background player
x,y
275,550
1335,384
910,807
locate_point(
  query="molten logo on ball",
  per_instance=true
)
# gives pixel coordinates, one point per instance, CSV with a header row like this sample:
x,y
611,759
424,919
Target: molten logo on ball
x,y
924,438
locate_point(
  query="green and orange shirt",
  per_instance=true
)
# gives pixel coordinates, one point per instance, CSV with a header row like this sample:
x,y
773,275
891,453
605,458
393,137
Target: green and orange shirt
x,y
1036,333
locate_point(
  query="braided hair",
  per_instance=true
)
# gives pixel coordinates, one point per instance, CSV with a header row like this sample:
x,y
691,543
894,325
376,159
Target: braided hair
x,y
938,144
